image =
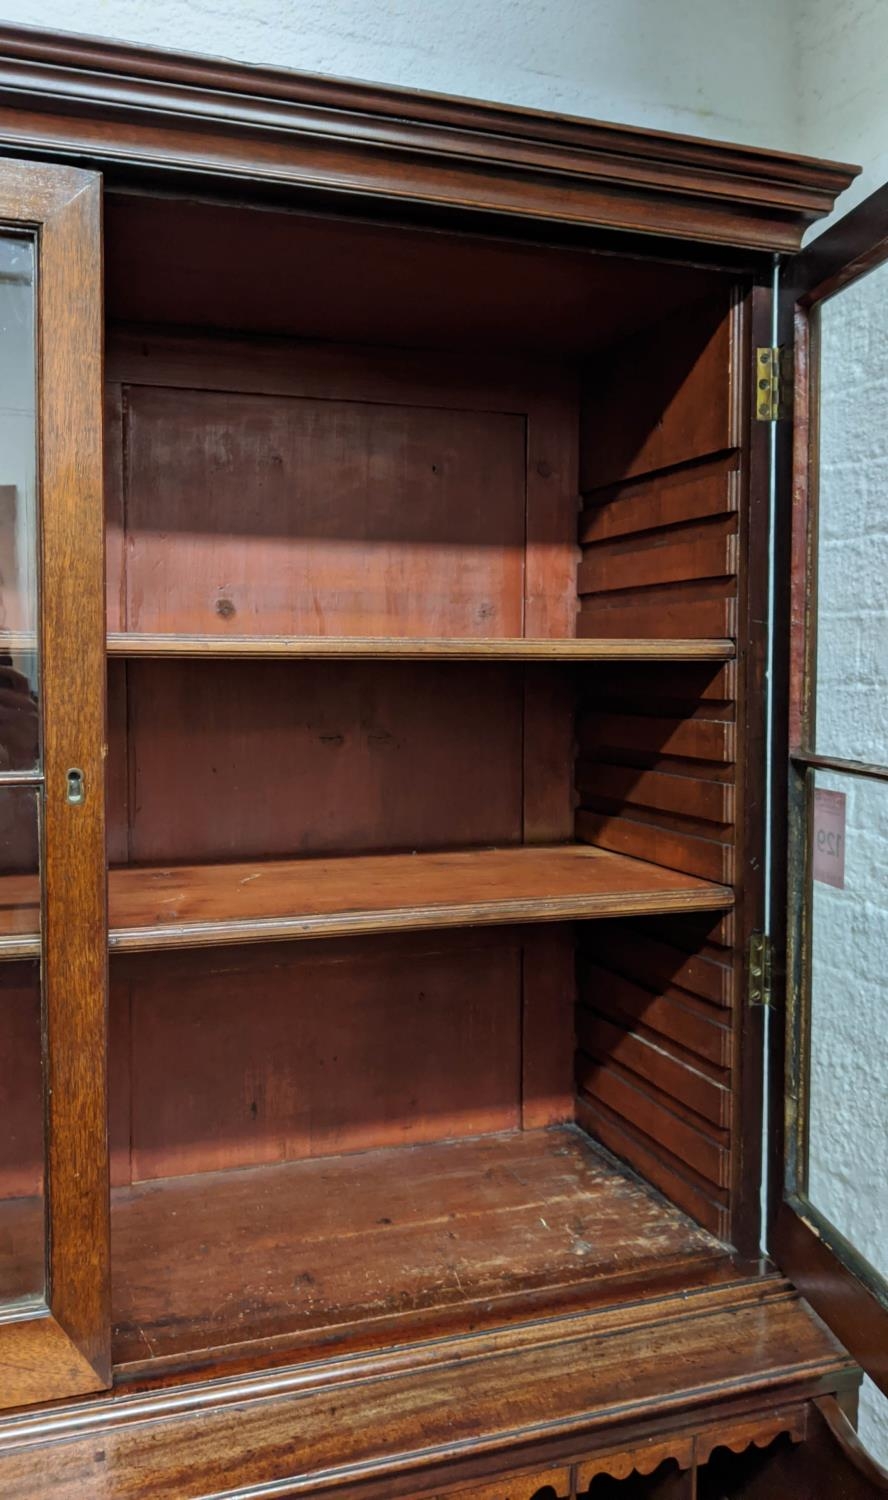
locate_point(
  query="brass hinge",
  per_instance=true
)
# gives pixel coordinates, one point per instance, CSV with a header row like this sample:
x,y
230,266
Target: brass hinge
x,y
758,970
773,383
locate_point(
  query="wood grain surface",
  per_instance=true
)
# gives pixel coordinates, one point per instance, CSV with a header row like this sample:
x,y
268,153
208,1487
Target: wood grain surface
x,y
462,1411
490,293
225,1257
136,644
297,516
235,1057
267,494
226,121
63,1347
192,905
272,759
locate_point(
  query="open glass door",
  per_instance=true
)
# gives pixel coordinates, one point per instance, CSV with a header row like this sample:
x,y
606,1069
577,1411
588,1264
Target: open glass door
x,y
831,1230
54,1261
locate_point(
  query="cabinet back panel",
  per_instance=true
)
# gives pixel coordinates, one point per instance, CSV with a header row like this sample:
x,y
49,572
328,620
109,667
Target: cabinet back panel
x,y
279,487
280,515
228,760
271,1055
21,1083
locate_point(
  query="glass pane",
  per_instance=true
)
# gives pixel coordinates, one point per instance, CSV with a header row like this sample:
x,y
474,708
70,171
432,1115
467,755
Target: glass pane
x,y
18,507
22,1208
848,1098
852,588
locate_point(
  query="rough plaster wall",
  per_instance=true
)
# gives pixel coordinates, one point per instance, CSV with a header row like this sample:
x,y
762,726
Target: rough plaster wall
x,y
849,1045
852,651
841,52
804,75
848,1175
799,75
709,67
848,1159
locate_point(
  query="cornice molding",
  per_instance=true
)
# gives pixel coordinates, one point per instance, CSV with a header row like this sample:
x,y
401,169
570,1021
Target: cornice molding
x,y
123,107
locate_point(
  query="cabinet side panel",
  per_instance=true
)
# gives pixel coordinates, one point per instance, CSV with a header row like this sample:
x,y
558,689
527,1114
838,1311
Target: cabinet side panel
x,y
659,772
661,398
659,438
655,767
655,1052
654,1026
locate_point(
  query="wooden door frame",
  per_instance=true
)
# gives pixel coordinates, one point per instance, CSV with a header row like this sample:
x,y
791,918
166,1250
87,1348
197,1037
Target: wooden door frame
x,y
809,1250
61,1346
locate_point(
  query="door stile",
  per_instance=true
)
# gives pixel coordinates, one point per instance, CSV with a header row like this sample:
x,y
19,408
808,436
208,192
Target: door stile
x,y
785,472
750,911
59,1344
73,645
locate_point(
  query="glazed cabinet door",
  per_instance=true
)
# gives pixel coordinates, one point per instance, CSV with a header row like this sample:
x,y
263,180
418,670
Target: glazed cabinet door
x,y
54,1259
828,1233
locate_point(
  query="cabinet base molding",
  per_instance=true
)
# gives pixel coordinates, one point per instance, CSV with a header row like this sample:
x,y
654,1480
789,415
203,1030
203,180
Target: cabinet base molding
x,y
613,1391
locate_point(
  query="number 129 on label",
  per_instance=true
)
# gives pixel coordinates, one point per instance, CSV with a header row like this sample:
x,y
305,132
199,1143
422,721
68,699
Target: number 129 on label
x,y
828,837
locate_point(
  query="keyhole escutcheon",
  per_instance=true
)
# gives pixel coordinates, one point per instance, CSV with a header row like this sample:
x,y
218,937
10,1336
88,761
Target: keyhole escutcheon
x,y
76,787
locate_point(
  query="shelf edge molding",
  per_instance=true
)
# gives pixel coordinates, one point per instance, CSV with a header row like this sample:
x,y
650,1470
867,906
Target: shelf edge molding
x,y
285,900
414,919
352,648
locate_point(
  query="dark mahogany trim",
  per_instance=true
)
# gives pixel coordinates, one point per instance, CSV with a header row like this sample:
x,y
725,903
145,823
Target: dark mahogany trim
x,y
136,107
750,909
785,600
847,1305
417,1418
857,243
844,1434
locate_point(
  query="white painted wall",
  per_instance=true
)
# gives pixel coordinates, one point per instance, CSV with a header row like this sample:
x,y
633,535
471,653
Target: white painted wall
x,y
710,67
841,60
802,75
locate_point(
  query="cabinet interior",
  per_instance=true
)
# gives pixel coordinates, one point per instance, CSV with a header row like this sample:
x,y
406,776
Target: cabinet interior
x,y
423,557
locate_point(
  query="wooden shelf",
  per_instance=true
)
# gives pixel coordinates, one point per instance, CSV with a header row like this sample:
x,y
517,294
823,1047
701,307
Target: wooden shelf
x,y
229,1257
12,641
194,905
188,906
373,648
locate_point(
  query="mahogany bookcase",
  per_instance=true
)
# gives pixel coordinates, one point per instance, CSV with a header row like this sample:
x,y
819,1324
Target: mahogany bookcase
x,y
384,581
